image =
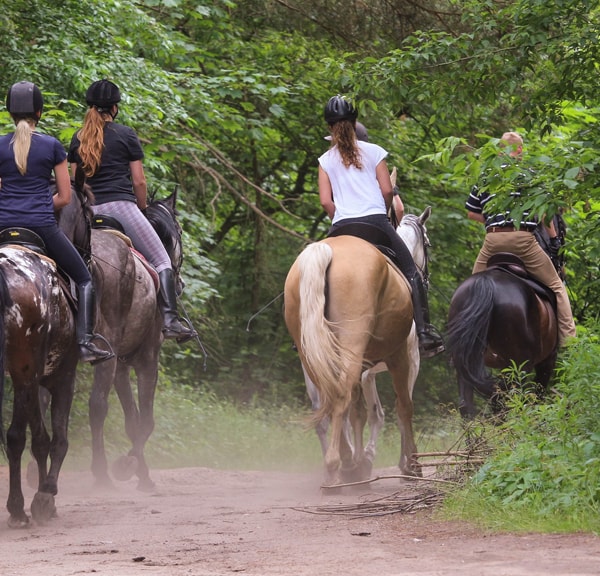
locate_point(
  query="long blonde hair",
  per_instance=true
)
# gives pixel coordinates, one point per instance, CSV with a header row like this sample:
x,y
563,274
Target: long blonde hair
x,y
21,142
91,140
343,136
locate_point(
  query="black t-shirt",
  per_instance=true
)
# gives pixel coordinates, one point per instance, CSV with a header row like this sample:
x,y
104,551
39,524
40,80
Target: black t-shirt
x,y
112,180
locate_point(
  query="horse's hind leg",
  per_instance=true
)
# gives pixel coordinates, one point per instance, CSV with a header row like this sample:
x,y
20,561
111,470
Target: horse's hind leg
x,y
400,370
323,424
375,415
98,409
62,388
15,445
139,423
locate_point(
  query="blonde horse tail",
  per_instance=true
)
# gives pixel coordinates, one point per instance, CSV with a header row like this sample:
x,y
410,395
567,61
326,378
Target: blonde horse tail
x,y
325,358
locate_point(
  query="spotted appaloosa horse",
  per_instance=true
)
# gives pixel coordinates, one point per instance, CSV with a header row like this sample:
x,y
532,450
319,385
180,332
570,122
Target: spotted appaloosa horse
x,y
38,348
348,308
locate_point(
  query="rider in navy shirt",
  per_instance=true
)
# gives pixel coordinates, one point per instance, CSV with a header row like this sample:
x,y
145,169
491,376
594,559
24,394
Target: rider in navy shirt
x,y
28,160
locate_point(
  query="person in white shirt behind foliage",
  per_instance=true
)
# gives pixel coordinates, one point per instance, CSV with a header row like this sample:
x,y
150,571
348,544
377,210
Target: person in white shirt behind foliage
x,y
355,186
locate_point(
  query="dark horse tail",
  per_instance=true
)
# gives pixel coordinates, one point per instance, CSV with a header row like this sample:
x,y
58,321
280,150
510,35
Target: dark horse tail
x,y
5,303
467,330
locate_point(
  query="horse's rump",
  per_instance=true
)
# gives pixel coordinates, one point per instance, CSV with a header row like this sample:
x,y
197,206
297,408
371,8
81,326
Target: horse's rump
x,y
38,321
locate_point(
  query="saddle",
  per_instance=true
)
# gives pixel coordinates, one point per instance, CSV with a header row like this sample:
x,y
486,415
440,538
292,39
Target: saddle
x,y
371,234
104,222
28,240
512,264
111,224
23,237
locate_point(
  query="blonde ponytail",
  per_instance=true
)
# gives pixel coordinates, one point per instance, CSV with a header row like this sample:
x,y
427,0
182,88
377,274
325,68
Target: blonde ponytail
x,y
21,142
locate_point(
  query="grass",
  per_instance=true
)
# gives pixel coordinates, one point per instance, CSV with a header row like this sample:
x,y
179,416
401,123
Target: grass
x,y
544,470
194,428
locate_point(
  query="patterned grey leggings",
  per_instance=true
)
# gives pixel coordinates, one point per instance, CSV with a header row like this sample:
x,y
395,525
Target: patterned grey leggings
x,y
139,230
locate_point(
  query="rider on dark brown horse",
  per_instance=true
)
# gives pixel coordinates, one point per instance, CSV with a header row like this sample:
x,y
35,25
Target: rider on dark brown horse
x,y
111,157
28,160
503,236
355,187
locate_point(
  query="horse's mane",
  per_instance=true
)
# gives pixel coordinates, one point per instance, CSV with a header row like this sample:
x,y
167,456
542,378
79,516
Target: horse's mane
x,y
84,193
162,218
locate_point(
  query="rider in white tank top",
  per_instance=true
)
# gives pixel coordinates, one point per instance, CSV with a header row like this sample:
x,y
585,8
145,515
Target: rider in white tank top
x,y
356,192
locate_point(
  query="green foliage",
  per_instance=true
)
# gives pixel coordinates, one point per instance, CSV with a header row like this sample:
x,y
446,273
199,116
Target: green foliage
x,y
227,97
545,467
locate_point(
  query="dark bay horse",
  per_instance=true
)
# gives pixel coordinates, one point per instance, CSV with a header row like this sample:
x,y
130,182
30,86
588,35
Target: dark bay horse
x,y
348,308
38,348
496,319
128,316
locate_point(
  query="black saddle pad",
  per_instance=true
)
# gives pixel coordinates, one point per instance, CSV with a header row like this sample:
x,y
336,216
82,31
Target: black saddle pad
x,y
371,234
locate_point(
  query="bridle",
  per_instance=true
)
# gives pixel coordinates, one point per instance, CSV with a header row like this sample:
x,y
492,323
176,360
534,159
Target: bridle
x,y
415,223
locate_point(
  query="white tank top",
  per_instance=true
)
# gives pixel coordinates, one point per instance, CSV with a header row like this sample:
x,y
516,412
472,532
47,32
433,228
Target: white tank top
x,y
356,192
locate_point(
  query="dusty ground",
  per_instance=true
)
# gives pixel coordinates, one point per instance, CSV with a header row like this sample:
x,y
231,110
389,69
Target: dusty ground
x,y
201,522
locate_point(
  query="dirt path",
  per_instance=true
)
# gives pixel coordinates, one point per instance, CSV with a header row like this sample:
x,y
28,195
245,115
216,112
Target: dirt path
x,y
204,522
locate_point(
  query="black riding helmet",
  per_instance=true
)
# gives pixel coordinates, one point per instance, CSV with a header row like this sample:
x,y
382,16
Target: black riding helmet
x,y
24,99
103,94
337,109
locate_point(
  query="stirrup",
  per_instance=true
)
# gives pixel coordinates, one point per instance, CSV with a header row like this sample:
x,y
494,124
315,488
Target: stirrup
x,y
435,344
178,331
89,352
431,352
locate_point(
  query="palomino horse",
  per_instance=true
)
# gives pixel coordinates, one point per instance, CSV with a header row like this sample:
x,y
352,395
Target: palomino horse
x,y
38,348
128,316
496,318
348,308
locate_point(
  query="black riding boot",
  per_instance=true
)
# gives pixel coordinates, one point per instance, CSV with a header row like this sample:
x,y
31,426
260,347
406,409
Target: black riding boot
x,y
88,351
172,324
430,342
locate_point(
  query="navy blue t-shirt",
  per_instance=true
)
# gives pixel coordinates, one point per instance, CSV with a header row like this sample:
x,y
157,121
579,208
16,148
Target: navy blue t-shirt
x,y
25,199
112,180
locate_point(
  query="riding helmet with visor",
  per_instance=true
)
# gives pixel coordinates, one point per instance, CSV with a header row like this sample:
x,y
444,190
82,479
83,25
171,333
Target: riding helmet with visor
x,y
24,99
337,109
103,94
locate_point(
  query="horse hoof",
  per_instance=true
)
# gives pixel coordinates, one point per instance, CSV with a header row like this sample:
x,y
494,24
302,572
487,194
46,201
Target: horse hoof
x,y
32,474
42,507
124,468
18,522
365,469
146,485
414,472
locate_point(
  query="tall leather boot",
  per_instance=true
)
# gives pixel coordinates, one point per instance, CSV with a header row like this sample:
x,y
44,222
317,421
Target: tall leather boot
x,y
430,341
88,351
172,324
